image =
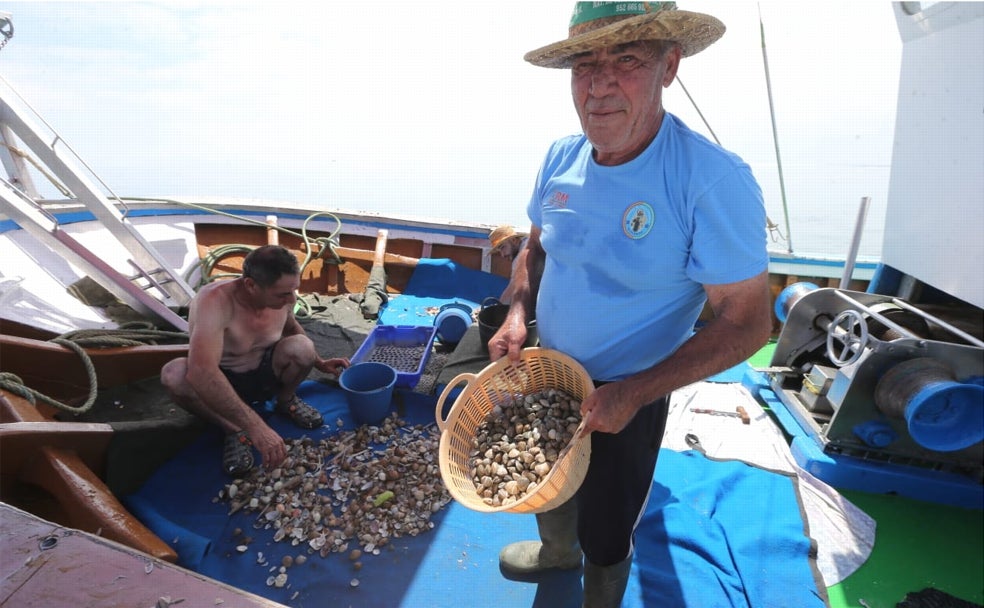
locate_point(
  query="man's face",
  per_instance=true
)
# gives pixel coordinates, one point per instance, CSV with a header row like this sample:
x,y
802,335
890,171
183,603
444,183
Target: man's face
x,y
509,249
280,294
618,95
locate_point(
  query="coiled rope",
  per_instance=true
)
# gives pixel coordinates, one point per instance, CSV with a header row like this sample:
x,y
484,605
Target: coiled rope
x,y
325,244
130,334
205,266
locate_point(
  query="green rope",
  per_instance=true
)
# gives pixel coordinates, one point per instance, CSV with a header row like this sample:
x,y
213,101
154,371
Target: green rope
x,y
126,335
211,259
14,384
133,334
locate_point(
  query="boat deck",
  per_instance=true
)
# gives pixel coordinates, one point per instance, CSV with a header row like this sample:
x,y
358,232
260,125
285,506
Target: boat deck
x,y
917,544
43,564
707,538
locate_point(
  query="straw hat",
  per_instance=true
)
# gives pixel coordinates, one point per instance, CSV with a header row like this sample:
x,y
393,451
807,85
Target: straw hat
x,y
500,235
598,25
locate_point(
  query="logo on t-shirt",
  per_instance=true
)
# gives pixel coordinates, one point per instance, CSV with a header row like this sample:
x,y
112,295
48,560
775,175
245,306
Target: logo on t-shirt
x,y
557,200
638,220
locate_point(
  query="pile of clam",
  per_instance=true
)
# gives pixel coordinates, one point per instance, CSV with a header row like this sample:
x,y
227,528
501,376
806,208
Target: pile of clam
x,y
352,491
519,442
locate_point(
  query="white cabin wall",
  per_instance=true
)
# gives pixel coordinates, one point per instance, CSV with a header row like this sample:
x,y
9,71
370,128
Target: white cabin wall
x,y
935,216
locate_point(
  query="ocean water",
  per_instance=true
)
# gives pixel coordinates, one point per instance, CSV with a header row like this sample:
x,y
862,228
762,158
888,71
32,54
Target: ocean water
x,y
824,206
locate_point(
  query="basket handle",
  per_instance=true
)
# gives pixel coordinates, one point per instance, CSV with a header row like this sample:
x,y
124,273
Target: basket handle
x,y
466,377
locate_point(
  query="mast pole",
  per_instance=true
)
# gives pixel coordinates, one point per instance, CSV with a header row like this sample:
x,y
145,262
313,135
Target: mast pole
x,y
775,134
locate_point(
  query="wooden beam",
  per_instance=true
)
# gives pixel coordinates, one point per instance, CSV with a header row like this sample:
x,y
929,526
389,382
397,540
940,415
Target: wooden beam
x,y
48,455
370,256
34,360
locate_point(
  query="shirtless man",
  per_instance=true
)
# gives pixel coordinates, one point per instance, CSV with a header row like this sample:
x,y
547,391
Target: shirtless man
x,y
245,348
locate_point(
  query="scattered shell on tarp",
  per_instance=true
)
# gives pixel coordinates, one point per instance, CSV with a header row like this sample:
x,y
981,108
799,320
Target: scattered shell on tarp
x,y
362,487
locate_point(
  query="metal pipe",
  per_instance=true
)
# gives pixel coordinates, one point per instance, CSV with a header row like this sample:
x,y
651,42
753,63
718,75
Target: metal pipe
x,y
852,254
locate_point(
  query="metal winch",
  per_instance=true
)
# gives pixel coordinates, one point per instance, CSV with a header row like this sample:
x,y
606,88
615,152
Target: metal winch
x,y
874,378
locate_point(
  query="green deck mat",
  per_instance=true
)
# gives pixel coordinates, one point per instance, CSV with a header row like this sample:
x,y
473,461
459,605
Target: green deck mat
x,y
918,545
763,358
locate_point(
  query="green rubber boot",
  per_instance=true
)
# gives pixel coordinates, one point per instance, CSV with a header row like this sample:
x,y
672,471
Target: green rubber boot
x,y
604,586
557,547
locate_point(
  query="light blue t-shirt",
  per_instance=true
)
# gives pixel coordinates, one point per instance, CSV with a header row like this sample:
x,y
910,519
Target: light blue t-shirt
x,y
629,247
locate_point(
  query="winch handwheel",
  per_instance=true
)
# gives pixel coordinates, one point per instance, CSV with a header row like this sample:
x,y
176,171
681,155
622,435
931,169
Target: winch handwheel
x,y
849,330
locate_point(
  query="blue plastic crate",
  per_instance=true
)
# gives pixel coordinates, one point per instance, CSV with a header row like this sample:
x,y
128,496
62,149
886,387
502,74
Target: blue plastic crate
x,y
405,348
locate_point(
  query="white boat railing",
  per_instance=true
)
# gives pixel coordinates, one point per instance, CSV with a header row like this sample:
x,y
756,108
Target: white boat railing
x,y
153,287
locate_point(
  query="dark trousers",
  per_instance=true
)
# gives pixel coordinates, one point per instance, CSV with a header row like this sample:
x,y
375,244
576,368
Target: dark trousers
x,y
257,386
613,496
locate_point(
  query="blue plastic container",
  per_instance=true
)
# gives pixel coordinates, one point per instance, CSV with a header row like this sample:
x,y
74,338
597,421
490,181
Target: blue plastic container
x,y
369,390
405,348
452,321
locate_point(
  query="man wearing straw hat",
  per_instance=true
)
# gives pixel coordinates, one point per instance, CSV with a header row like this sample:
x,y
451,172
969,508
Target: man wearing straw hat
x,y
636,224
507,243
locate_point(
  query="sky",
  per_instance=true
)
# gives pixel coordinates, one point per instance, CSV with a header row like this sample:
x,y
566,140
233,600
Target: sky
x,y
427,108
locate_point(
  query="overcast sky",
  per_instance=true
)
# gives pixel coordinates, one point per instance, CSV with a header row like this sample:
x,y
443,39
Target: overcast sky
x,y
427,108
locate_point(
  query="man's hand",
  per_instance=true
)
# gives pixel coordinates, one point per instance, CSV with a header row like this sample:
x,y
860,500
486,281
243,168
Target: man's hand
x,y
269,444
332,366
508,340
523,285
608,409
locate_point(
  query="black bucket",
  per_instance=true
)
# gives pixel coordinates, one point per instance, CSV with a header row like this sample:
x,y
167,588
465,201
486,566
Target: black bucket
x,y
491,317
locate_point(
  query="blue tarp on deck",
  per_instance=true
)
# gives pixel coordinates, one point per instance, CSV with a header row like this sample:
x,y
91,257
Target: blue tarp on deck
x,y
715,534
436,282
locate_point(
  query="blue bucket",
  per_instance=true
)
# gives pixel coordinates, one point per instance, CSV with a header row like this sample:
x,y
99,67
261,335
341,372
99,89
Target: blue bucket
x,y
452,322
369,390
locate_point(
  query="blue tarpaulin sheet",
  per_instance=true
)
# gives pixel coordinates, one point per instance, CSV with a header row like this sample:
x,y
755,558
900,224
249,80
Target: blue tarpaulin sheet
x,y
436,282
715,534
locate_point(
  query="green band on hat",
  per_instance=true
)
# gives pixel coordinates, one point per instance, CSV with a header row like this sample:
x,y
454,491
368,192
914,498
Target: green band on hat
x,y
589,11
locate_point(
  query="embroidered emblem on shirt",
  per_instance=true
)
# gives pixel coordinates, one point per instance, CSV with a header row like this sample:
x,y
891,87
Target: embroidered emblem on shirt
x,y
638,220
557,200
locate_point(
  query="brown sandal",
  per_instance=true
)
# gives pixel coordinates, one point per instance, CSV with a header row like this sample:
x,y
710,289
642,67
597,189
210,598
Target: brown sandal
x,y
300,413
237,455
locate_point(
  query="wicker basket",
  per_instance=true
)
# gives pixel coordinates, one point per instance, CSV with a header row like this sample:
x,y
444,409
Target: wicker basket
x,y
498,384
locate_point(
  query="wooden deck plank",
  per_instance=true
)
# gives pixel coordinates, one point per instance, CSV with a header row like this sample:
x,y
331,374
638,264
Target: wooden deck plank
x,y
47,565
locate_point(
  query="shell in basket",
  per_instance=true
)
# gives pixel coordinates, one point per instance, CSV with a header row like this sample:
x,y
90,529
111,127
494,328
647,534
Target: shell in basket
x,y
501,382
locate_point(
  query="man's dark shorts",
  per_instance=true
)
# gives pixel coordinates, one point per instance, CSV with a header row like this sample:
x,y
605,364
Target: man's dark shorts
x,y
257,386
